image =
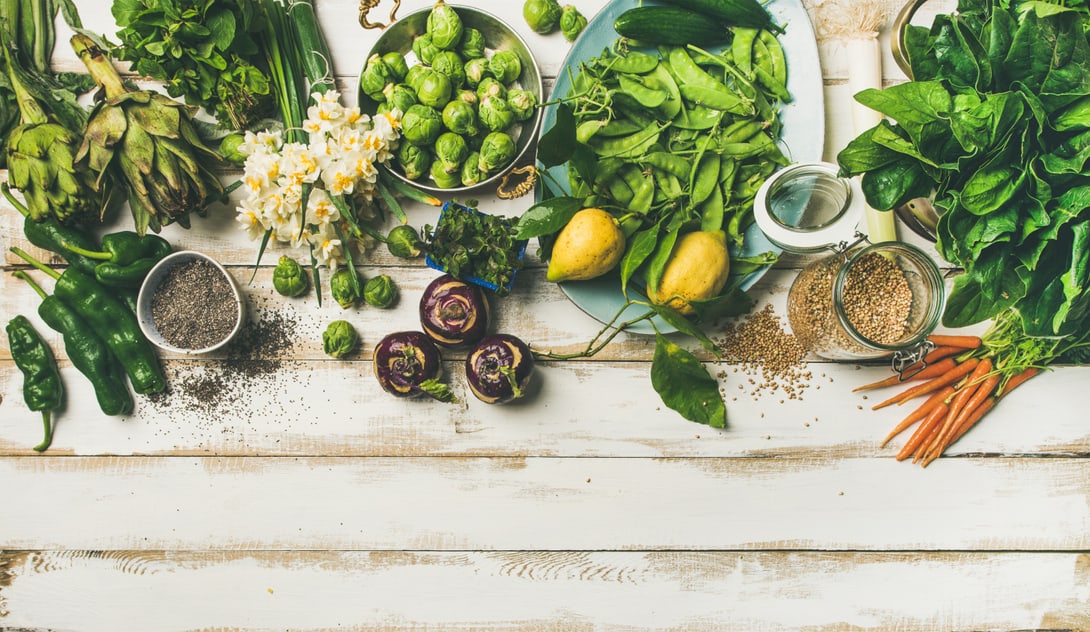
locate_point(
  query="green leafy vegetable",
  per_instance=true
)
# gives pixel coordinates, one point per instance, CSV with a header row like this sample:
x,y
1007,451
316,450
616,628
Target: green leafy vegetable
x,y
685,385
993,126
204,50
469,244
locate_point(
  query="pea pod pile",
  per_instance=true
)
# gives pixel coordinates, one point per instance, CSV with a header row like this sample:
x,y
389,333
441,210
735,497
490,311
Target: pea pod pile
x,y
668,141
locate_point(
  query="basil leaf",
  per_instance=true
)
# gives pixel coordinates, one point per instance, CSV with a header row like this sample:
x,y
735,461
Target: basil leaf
x,y
547,217
685,385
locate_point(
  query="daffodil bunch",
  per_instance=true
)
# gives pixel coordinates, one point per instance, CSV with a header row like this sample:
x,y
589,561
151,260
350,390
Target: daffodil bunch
x,y
318,194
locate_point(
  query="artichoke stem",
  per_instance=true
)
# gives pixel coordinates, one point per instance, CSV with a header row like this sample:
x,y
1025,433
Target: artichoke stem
x,y
32,113
99,65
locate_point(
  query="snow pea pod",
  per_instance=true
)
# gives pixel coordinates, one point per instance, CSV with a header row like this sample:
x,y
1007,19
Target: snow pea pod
x,y
643,94
741,48
705,178
634,62
716,98
643,196
631,146
696,117
711,210
668,162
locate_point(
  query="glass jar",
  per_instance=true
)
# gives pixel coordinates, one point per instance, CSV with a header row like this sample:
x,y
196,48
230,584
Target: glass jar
x,y
861,301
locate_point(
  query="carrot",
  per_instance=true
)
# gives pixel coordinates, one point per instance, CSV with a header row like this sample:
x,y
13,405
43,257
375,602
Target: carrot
x,y
1018,378
932,385
982,394
978,378
923,431
965,342
939,353
973,417
919,413
930,371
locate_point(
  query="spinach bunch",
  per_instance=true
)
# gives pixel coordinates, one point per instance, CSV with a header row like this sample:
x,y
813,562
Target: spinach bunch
x,y
996,126
205,51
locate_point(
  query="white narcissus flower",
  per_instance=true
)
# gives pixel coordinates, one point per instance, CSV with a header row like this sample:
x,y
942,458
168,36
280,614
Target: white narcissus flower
x,y
339,160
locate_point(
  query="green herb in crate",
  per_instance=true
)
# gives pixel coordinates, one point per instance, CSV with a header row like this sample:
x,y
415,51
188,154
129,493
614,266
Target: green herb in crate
x,y
476,247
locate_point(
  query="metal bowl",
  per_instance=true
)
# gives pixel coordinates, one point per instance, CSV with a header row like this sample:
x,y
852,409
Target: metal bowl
x,y
497,36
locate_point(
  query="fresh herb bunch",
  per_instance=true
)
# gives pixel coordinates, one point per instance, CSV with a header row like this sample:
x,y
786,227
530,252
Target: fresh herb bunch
x,y
469,244
996,126
205,51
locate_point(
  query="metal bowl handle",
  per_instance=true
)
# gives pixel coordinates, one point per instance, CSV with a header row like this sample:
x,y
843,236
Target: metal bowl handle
x,y
897,41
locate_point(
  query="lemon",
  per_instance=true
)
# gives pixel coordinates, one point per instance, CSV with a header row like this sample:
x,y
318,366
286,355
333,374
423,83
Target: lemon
x,y
696,270
588,246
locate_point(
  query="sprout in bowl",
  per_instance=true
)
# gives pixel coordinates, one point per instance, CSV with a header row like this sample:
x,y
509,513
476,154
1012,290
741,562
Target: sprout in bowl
x,y
432,65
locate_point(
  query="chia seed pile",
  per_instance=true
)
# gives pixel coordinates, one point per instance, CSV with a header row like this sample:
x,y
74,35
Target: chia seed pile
x,y
194,306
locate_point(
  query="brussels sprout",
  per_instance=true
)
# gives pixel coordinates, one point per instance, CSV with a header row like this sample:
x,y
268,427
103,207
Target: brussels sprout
x,y
472,44
471,170
444,26
476,70
413,160
450,64
380,292
340,339
376,75
506,66
468,96
572,22
497,151
424,48
400,96
460,117
395,61
433,88
421,125
490,87
495,114
451,150
542,15
229,148
444,179
344,288
413,76
403,241
522,103
289,278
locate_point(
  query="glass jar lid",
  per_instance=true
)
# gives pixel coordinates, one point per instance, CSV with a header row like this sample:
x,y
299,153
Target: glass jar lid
x,y
808,207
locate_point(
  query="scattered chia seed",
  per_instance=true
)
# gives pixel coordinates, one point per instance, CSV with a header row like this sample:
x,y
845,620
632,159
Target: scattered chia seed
x,y
194,306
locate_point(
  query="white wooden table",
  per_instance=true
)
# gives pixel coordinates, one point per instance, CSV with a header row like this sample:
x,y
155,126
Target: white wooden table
x,y
298,495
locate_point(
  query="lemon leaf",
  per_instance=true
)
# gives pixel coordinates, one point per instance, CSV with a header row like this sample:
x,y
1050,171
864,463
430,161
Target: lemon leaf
x,y
685,385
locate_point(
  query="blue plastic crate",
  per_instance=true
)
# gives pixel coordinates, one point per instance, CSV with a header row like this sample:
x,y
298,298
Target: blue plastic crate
x,y
521,244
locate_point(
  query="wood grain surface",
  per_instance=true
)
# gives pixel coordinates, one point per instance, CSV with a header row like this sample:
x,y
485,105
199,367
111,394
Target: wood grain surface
x,y
272,488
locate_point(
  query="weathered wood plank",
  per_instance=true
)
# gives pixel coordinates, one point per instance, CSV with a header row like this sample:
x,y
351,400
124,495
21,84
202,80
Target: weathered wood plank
x,y
535,590
817,502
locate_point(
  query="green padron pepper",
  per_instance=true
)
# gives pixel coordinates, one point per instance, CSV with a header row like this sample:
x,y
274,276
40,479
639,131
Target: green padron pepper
x,y
289,277
380,291
344,288
340,339
403,241
43,390
572,22
126,257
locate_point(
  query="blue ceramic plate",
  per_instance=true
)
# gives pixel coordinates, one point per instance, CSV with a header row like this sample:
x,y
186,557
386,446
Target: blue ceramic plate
x,y
802,140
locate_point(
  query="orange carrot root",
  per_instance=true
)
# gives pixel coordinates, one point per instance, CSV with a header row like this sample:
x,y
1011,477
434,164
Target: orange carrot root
x,y
919,413
936,414
934,384
965,342
940,367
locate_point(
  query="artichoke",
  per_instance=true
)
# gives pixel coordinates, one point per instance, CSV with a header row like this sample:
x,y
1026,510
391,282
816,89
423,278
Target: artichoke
x,y
41,162
150,143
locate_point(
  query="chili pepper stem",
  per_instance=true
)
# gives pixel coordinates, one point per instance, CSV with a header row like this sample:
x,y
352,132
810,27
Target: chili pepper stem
x,y
47,422
19,274
19,252
90,254
19,206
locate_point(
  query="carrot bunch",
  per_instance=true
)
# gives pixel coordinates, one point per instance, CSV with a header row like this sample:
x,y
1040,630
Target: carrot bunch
x,y
964,377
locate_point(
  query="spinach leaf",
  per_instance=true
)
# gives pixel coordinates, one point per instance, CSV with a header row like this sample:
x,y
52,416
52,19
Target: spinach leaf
x,y
685,385
556,145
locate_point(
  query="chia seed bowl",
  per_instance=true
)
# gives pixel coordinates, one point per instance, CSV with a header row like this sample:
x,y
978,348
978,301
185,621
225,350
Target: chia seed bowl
x,y
190,304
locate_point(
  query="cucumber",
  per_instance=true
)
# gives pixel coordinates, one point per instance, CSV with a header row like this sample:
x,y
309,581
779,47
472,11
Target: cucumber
x,y
744,13
669,26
